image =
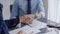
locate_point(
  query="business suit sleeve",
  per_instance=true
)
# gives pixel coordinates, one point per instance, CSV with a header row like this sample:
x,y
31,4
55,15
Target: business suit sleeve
x,y
41,8
15,9
3,26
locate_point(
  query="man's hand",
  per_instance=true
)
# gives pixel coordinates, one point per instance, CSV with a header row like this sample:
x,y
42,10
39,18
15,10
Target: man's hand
x,y
21,32
22,19
27,18
38,16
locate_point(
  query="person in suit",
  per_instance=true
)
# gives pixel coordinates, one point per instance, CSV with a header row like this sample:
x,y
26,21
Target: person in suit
x,y
27,10
3,26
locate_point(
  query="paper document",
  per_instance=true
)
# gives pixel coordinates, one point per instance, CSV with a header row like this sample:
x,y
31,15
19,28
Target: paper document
x,y
26,29
34,27
29,29
52,31
14,31
37,24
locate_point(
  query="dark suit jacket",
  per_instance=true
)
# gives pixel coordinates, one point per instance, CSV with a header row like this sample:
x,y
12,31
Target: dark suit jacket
x,y
3,26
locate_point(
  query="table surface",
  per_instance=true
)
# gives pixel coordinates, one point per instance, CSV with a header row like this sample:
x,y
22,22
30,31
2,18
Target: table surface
x,y
43,31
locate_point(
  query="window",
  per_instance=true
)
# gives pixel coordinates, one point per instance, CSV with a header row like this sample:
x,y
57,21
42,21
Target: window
x,y
54,10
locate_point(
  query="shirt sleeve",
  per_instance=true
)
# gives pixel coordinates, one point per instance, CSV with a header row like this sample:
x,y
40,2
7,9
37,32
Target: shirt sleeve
x,y
41,9
15,9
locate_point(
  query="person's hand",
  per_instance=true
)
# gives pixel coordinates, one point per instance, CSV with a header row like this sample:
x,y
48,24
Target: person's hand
x,y
38,16
21,32
29,18
22,19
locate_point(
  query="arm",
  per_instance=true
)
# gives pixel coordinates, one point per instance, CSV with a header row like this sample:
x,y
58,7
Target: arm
x,y
2,23
14,9
14,13
41,10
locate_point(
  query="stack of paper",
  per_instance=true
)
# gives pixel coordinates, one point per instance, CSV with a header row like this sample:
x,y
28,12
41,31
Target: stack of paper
x,y
52,31
37,24
26,29
14,31
34,27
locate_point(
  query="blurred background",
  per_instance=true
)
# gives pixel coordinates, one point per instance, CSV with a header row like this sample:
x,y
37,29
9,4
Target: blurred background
x,y
51,7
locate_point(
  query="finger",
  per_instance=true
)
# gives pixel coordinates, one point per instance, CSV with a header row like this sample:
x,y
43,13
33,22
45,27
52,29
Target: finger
x,y
21,32
29,21
22,19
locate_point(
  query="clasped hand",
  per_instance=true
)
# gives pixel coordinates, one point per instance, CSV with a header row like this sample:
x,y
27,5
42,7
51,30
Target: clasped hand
x,y
27,18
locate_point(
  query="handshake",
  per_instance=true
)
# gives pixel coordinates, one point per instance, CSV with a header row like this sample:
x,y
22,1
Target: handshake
x,y
27,18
